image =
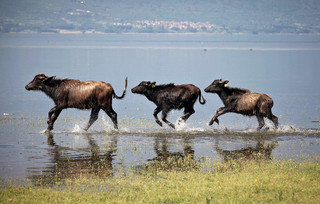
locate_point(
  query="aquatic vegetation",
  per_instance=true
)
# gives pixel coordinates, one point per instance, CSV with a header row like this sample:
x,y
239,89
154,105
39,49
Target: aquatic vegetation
x,y
232,182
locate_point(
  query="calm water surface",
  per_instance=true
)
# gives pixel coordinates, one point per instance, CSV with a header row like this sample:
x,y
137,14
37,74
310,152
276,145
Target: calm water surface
x,y
284,67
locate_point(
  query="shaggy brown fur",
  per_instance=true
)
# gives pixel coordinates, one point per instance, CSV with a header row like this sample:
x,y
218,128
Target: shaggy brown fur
x,y
71,93
242,101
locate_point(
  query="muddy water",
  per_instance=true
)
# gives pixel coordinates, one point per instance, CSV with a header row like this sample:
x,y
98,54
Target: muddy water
x,y
284,67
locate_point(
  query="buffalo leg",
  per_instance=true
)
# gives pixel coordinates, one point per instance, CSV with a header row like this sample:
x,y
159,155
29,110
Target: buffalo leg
x,y
93,117
187,113
219,112
50,114
164,119
260,121
274,119
155,114
53,115
113,115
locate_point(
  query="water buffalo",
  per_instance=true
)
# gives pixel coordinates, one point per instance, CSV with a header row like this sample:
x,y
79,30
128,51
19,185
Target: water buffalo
x,y
71,93
170,96
242,101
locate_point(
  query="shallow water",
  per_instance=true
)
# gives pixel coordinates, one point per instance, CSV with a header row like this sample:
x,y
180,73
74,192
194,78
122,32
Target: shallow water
x,y
284,67
31,154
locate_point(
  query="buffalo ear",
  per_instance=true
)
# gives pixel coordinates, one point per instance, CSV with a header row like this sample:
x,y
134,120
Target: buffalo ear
x,y
41,76
49,81
153,84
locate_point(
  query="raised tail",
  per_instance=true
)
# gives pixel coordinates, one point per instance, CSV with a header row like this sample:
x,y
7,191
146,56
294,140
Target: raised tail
x,y
124,91
203,100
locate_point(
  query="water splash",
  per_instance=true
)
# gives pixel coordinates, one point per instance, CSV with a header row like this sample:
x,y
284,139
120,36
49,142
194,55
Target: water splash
x,y
43,131
188,127
288,129
105,126
78,129
108,125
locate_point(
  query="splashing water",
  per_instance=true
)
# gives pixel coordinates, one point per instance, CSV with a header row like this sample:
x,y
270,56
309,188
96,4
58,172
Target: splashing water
x,y
78,129
184,127
107,125
288,129
43,131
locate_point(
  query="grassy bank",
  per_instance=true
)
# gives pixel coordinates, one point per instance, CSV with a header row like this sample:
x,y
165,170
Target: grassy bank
x,y
228,182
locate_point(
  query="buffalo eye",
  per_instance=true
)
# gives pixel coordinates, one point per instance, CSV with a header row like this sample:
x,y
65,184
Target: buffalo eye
x,y
145,84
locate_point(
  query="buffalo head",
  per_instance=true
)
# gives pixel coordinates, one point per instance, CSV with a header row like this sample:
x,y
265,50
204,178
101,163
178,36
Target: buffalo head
x,y
217,86
143,87
39,82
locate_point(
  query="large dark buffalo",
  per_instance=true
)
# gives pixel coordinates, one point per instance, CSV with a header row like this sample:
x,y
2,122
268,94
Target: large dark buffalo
x,y
170,96
242,101
70,93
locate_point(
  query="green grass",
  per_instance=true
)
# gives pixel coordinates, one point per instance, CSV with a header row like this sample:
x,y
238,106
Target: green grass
x,y
225,182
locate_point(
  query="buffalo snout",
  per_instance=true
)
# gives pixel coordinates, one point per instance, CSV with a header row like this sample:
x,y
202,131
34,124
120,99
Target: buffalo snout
x,y
139,89
32,86
210,89
133,90
28,87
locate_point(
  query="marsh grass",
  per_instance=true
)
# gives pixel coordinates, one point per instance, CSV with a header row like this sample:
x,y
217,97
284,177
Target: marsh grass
x,y
246,181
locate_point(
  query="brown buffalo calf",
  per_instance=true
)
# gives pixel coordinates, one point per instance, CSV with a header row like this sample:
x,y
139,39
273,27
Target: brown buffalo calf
x,y
242,101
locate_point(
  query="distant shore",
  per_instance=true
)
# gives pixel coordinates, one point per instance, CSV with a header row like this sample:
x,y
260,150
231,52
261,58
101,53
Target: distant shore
x,y
162,33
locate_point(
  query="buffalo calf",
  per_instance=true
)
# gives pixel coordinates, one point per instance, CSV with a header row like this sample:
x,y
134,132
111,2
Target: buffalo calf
x,y
71,93
170,96
242,101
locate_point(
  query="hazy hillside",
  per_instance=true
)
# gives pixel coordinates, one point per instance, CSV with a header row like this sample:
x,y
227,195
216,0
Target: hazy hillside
x,y
214,16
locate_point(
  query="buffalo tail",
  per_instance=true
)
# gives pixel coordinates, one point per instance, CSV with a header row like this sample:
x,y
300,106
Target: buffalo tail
x,y
124,91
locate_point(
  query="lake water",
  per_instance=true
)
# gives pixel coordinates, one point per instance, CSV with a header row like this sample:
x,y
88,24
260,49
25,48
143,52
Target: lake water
x,y
286,67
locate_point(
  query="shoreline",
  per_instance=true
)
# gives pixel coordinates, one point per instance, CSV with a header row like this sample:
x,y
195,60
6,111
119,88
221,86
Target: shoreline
x,y
91,32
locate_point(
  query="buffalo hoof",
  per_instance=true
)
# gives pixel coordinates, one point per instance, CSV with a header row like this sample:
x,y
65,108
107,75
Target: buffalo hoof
x,y
159,123
212,121
173,126
48,132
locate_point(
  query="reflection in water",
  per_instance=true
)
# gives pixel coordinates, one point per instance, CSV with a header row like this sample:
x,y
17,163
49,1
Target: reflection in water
x,y
158,152
166,160
68,163
262,151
